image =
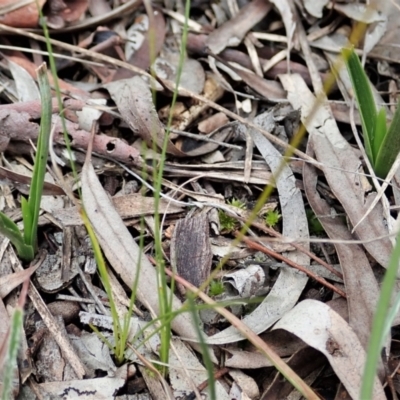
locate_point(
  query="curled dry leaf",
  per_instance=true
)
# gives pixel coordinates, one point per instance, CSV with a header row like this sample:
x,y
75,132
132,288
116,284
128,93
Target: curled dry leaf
x,y
322,328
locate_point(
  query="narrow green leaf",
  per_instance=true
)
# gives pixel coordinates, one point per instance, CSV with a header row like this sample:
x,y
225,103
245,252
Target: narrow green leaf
x,y
389,148
364,97
12,350
39,170
379,132
10,229
26,215
382,314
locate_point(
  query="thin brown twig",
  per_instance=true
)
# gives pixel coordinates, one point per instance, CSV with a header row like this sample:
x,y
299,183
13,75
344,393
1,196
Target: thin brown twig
x,y
254,245
299,247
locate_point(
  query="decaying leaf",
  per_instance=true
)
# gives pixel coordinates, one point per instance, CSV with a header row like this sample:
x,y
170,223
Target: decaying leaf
x,y
289,285
233,31
134,101
339,163
191,249
322,328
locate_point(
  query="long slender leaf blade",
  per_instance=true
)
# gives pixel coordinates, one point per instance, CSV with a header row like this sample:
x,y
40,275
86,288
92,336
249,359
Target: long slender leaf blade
x,y
389,148
364,97
380,131
12,350
42,153
381,316
10,229
27,218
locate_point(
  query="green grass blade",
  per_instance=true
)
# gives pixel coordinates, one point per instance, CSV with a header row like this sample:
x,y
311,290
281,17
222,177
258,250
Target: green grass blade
x,y
10,229
12,350
204,346
365,99
39,169
378,327
390,147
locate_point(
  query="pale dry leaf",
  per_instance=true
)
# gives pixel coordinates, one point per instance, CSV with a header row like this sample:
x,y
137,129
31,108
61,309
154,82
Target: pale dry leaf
x,y
339,163
290,283
361,286
232,32
134,102
155,384
182,381
387,47
360,12
247,360
94,353
307,362
85,389
246,383
315,7
26,86
192,73
144,42
5,326
246,281
11,281
289,18
123,253
322,328
127,206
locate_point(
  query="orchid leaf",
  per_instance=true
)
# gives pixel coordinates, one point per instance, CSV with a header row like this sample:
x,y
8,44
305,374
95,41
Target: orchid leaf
x,y
365,99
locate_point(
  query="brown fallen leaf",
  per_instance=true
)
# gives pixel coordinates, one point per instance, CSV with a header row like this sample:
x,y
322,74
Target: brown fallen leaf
x,y
60,13
23,182
232,32
322,328
138,50
339,161
128,206
361,286
26,16
191,250
134,102
11,281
